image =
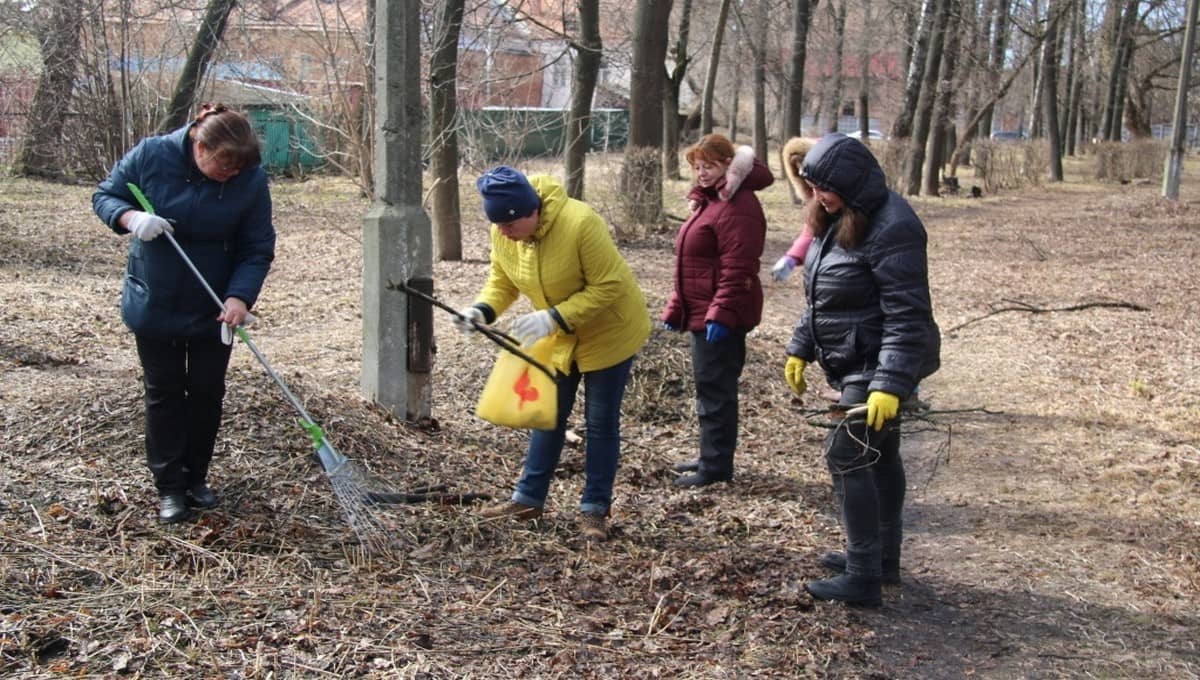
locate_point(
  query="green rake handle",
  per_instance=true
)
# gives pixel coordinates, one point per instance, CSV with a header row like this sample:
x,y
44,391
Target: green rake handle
x,y
331,460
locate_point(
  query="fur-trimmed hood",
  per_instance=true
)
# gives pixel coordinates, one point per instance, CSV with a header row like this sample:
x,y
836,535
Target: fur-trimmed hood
x,y
792,155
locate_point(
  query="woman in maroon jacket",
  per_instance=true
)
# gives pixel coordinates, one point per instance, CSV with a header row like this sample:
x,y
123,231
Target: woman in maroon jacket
x,y
717,296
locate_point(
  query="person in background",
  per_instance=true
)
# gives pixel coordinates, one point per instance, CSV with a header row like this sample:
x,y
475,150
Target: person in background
x,y
558,252
717,296
207,188
792,155
869,324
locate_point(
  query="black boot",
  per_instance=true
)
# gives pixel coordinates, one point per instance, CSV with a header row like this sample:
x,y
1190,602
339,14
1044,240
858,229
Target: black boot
x,y
848,588
687,466
172,508
698,479
201,496
836,562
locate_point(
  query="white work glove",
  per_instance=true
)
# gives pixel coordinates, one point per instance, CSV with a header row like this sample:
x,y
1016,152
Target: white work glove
x,y
783,268
147,227
227,330
467,318
532,327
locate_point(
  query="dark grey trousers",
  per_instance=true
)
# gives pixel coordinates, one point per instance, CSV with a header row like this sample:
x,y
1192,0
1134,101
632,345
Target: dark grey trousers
x,y
869,486
716,368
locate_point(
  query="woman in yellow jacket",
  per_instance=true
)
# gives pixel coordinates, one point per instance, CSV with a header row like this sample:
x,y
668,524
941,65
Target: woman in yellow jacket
x,y
558,252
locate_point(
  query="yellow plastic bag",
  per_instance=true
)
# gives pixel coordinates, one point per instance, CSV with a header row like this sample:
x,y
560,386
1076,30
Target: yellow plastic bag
x,y
520,395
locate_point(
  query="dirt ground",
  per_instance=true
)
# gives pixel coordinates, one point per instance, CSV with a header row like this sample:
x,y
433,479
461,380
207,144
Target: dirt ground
x,y
1053,515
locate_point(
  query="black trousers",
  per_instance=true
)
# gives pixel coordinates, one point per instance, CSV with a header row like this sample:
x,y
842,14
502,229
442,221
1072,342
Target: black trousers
x,y
869,487
716,368
185,387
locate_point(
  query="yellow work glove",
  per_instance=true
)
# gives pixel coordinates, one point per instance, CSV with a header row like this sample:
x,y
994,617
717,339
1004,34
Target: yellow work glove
x,y
881,407
794,373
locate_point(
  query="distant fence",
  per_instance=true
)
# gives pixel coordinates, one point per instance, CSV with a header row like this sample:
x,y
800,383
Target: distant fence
x,y
496,132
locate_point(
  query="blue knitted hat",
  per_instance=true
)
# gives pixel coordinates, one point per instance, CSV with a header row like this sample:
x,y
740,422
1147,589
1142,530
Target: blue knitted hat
x,y
507,195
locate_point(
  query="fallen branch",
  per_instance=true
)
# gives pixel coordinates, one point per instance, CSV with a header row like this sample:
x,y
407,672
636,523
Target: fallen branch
x,y
1019,306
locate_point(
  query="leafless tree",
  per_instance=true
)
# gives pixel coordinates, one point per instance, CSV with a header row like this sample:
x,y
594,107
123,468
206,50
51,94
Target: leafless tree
x,y
443,130
208,37
58,36
642,170
672,83
714,62
588,54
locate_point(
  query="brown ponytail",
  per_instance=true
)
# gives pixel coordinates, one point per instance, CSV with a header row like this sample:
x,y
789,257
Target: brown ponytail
x,y
228,134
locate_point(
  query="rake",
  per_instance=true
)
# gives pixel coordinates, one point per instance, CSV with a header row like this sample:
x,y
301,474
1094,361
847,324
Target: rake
x,y
350,481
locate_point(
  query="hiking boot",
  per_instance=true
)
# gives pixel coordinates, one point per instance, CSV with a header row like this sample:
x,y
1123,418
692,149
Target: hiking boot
x,y
836,562
686,466
698,479
201,496
848,588
511,509
172,508
593,527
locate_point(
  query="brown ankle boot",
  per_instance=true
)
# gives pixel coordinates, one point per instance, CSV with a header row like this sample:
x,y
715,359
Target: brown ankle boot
x,y
593,527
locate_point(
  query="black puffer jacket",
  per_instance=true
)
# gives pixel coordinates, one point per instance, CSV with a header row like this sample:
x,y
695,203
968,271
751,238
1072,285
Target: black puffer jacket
x,y
869,318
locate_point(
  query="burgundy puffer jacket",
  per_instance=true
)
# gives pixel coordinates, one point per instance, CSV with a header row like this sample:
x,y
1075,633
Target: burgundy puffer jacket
x,y
717,251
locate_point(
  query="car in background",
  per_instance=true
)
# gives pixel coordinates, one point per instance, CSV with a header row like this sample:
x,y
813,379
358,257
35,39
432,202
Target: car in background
x,y
1009,136
871,134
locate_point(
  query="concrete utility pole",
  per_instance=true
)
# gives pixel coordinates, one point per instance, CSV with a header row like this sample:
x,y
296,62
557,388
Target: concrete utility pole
x,y
1174,166
397,240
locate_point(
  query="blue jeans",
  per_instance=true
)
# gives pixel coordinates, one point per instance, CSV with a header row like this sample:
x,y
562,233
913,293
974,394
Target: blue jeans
x,y
602,394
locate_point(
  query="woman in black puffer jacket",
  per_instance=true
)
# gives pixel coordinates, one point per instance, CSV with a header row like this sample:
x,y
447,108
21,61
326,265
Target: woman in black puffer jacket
x,y
869,324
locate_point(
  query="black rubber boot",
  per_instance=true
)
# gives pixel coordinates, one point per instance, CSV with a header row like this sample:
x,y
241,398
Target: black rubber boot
x,y
686,466
172,508
698,479
201,496
853,590
836,562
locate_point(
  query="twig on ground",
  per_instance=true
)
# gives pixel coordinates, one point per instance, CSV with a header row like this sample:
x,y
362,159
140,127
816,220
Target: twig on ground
x,y
1021,306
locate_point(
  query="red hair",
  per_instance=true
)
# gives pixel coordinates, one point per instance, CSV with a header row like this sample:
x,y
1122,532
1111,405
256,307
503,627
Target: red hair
x,y
714,148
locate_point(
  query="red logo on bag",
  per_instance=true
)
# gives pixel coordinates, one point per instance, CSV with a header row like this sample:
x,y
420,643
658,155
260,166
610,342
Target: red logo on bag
x,y
525,391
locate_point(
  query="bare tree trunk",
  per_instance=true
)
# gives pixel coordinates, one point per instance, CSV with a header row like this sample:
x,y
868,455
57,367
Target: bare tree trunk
x,y
642,171
674,80
208,36
864,76
588,53
39,155
902,127
915,159
837,14
943,106
792,124
443,129
714,61
1035,92
1050,59
1173,167
366,117
1000,31
1111,122
759,45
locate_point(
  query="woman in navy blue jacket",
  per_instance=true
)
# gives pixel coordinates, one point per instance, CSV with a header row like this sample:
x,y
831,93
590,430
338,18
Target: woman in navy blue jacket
x,y
869,324
207,188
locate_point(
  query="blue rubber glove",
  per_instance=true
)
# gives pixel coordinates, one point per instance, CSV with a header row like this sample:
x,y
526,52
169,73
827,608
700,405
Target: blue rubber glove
x,y
783,268
715,331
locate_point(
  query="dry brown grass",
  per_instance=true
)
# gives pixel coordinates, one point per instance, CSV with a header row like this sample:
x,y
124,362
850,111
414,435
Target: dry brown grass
x,y
1053,535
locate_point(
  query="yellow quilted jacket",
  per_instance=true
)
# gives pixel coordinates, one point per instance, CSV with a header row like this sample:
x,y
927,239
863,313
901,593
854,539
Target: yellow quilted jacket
x,y
572,265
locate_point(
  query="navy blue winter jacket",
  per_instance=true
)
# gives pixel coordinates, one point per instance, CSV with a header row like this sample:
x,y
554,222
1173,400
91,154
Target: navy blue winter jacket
x,y
869,318
224,227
